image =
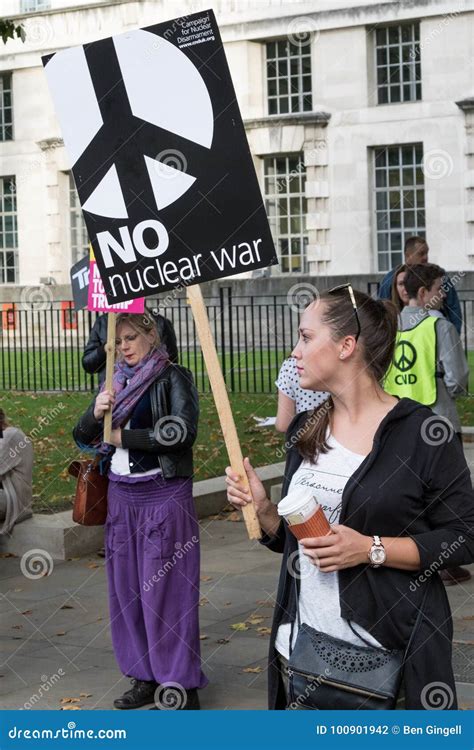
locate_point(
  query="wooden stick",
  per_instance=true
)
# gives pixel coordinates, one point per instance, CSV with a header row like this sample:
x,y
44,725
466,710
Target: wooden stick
x,y
221,399
109,370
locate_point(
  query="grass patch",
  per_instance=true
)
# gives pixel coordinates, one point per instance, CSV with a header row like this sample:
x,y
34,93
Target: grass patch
x,y
49,419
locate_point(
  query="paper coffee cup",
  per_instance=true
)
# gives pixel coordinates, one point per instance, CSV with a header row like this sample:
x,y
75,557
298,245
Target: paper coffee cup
x,y
317,525
304,515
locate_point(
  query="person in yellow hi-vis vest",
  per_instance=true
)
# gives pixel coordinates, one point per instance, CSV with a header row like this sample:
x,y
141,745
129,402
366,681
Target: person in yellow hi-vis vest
x,y
429,364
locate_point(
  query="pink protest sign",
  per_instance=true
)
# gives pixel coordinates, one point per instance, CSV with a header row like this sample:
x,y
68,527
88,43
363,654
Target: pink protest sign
x,y
97,301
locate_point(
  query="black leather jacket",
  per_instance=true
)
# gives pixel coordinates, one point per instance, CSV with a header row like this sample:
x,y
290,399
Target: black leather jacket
x,y
163,426
93,359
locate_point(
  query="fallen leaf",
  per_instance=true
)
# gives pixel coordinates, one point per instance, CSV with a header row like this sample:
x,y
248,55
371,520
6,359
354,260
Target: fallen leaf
x,y
255,620
27,612
253,670
99,619
468,617
61,632
223,640
203,637
235,517
239,626
70,708
264,631
265,603
85,695
17,627
227,604
3,555
203,601
206,578
93,565
67,606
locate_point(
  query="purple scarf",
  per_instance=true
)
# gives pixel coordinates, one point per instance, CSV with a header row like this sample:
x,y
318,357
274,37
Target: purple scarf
x,y
139,378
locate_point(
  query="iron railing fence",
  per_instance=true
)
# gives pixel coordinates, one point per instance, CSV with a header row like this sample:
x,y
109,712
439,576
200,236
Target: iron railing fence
x,y
41,343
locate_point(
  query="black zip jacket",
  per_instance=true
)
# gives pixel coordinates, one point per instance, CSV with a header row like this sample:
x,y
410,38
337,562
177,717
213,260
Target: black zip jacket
x,y
93,359
152,440
415,482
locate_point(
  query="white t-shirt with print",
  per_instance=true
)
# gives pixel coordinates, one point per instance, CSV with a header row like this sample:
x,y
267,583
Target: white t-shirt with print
x,y
319,591
288,383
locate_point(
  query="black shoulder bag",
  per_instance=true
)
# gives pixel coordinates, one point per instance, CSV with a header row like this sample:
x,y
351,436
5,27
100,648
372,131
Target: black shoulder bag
x,y
328,673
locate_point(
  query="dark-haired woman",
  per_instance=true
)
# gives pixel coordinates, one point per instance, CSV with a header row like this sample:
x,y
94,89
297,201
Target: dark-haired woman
x,y
152,533
396,491
399,294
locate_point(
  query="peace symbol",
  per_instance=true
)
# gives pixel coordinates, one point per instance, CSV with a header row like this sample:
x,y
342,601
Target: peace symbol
x,y
405,356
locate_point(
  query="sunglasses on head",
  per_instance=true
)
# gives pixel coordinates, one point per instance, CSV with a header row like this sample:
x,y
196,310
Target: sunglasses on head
x,y
353,302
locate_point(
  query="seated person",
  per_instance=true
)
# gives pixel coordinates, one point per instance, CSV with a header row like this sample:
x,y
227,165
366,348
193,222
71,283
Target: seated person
x,y
16,470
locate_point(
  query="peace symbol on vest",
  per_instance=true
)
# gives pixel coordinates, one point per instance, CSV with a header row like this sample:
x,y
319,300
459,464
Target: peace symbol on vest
x,y
405,356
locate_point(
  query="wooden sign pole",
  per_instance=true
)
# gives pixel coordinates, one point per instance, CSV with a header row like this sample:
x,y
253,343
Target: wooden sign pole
x,y
109,370
221,399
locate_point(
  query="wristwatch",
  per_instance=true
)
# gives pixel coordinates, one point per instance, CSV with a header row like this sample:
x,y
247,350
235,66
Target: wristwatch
x,y
377,554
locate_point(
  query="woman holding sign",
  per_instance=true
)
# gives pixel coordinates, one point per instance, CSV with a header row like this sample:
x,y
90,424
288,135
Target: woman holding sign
x,y
362,615
152,533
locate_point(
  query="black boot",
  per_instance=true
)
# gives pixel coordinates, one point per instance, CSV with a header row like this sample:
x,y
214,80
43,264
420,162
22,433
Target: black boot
x,y
141,693
173,699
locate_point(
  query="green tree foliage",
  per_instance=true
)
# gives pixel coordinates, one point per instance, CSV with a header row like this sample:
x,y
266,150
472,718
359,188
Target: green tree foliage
x,y
9,30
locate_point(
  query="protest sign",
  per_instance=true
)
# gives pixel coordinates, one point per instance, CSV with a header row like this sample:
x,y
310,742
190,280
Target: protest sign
x,y
160,157
80,282
88,290
164,174
97,300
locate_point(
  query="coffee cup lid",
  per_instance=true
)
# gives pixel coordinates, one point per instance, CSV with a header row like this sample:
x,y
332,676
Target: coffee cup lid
x,y
299,499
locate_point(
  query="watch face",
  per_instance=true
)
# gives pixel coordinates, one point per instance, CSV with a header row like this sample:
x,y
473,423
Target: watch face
x,y
377,555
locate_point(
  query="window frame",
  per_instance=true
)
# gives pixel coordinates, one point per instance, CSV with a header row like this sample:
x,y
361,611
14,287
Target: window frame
x,y
34,6
301,94
3,90
75,248
414,63
5,249
404,230
275,219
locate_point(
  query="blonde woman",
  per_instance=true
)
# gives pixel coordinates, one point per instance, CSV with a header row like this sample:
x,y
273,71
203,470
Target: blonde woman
x,y
152,533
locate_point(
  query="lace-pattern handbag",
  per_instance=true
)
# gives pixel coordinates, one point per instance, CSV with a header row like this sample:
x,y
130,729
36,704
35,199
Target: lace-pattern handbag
x,y
326,672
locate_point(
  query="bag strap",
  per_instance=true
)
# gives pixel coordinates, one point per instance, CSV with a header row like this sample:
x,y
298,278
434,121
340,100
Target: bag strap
x,y
414,629
417,624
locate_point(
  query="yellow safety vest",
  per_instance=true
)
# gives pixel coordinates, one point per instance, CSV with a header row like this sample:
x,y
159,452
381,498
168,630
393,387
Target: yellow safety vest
x,y
412,373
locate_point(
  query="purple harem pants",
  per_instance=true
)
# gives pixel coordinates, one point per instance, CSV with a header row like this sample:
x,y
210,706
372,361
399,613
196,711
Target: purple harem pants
x,y
152,557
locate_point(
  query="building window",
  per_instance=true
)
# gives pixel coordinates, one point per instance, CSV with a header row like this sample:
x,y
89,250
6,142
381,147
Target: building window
x,y
399,200
6,117
285,178
288,77
397,56
79,236
8,231
31,6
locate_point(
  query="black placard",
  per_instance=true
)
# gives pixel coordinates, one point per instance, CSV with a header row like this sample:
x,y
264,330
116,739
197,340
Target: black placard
x,y
160,158
80,282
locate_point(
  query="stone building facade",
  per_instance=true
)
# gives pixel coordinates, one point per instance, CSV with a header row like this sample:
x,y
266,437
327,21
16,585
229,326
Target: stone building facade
x,y
359,119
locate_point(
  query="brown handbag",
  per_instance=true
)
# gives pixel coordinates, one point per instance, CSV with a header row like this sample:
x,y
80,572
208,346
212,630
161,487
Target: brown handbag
x,y
90,501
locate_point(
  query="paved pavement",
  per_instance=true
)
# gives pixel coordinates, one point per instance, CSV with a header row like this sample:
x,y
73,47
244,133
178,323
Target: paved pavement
x,y
55,648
